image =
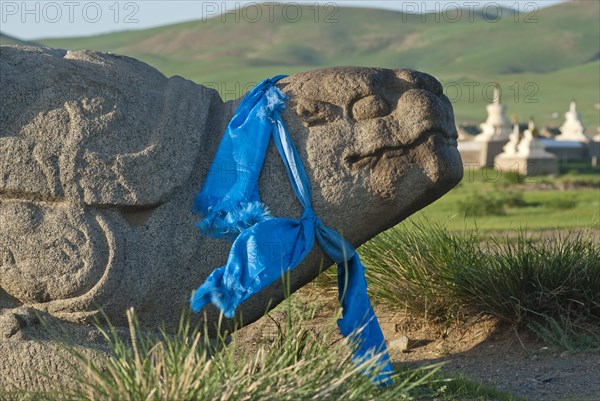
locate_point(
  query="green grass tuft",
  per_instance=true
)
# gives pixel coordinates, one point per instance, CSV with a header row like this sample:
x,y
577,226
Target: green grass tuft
x,y
485,204
435,273
561,203
298,364
565,335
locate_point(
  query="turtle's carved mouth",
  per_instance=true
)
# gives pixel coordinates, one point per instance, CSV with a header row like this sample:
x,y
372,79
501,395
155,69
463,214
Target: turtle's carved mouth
x,y
355,161
372,158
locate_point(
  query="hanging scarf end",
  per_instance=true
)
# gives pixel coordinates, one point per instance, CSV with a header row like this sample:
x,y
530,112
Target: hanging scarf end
x,y
207,294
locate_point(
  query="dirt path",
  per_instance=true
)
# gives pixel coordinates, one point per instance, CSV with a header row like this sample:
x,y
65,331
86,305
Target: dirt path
x,y
498,357
481,350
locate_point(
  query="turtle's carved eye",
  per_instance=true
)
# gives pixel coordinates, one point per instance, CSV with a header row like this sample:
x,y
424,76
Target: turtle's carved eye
x,y
372,106
314,112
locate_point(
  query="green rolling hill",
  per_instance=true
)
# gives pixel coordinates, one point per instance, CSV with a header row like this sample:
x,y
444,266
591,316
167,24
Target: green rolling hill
x,y
540,62
9,40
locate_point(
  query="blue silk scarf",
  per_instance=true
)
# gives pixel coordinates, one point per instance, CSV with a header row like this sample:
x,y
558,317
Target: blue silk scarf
x,y
266,247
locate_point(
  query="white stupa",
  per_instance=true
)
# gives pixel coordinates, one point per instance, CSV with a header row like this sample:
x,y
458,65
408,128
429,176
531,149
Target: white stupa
x,y
572,130
527,155
510,149
497,126
530,145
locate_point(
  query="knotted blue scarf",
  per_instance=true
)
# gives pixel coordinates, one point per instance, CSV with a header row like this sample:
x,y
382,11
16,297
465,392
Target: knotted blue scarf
x,y
267,247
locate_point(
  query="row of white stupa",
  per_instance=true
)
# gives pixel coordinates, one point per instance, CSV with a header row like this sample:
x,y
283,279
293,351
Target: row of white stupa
x,y
498,128
502,145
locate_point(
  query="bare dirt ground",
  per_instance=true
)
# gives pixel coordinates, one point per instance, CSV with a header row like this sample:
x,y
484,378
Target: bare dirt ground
x,y
499,357
481,350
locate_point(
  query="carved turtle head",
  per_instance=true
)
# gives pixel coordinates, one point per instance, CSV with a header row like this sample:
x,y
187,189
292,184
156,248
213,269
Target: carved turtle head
x,y
378,144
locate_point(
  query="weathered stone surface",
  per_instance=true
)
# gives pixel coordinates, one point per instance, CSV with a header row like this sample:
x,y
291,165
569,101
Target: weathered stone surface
x,y
101,155
401,344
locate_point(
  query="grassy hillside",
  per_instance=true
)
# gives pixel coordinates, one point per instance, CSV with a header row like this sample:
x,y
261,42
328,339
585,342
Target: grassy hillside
x,y
9,40
541,61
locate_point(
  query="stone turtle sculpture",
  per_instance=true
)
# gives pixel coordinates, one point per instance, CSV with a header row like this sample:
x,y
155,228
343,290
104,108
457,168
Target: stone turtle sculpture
x,y
101,156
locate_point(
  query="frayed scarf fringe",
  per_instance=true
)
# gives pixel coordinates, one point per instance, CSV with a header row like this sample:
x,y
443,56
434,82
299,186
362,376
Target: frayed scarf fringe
x,y
230,221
